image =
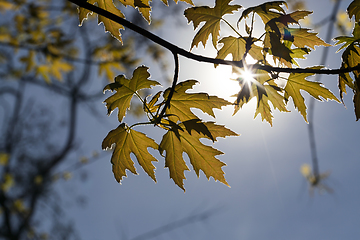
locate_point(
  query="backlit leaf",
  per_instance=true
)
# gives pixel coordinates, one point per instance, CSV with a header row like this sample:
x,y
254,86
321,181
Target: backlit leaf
x,y
173,158
143,7
346,41
265,90
129,141
237,48
110,26
202,157
265,10
181,102
211,17
351,58
297,82
272,95
302,38
354,10
151,107
125,89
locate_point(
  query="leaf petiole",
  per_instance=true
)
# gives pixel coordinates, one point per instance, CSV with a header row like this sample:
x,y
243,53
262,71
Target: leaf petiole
x,y
231,27
140,123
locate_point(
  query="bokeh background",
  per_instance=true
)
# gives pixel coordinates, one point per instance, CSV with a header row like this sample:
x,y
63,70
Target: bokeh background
x,y
268,198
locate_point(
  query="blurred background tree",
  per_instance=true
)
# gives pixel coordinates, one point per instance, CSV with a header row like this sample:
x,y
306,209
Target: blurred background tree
x,y
50,69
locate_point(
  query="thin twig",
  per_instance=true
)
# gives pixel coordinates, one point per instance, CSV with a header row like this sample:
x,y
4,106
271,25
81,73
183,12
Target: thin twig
x,y
172,89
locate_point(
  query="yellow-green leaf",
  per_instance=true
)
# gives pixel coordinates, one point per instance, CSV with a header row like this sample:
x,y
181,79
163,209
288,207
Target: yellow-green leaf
x,y
265,90
354,10
181,102
151,107
297,82
302,38
264,11
129,141
83,12
270,94
344,80
346,41
237,48
202,157
125,89
110,26
279,49
211,17
173,158
143,7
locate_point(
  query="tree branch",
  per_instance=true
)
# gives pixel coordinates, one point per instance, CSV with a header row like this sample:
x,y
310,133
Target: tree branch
x,y
175,49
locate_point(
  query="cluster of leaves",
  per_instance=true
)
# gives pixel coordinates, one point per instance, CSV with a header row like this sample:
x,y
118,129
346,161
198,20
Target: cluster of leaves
x,y
143,6
183,129
281,43
351,58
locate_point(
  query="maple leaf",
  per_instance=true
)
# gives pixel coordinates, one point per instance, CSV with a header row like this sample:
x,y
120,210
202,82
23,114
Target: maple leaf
x,y
129,141
143,7
346,40
125,89
297,82
265,90
237,48
278,48
264,11
351,58
271,94
151,107
211,17
302,38
181,102
202,157
110,26
354,10
280,24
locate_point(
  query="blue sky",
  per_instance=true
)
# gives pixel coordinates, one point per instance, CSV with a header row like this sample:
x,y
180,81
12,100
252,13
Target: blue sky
x,y
268,198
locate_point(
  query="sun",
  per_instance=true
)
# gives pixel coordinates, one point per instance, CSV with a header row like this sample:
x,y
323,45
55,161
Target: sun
x,y
247,75
244,74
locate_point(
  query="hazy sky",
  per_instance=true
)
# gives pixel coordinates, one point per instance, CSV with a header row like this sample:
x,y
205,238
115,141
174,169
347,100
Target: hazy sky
x,y
268,198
